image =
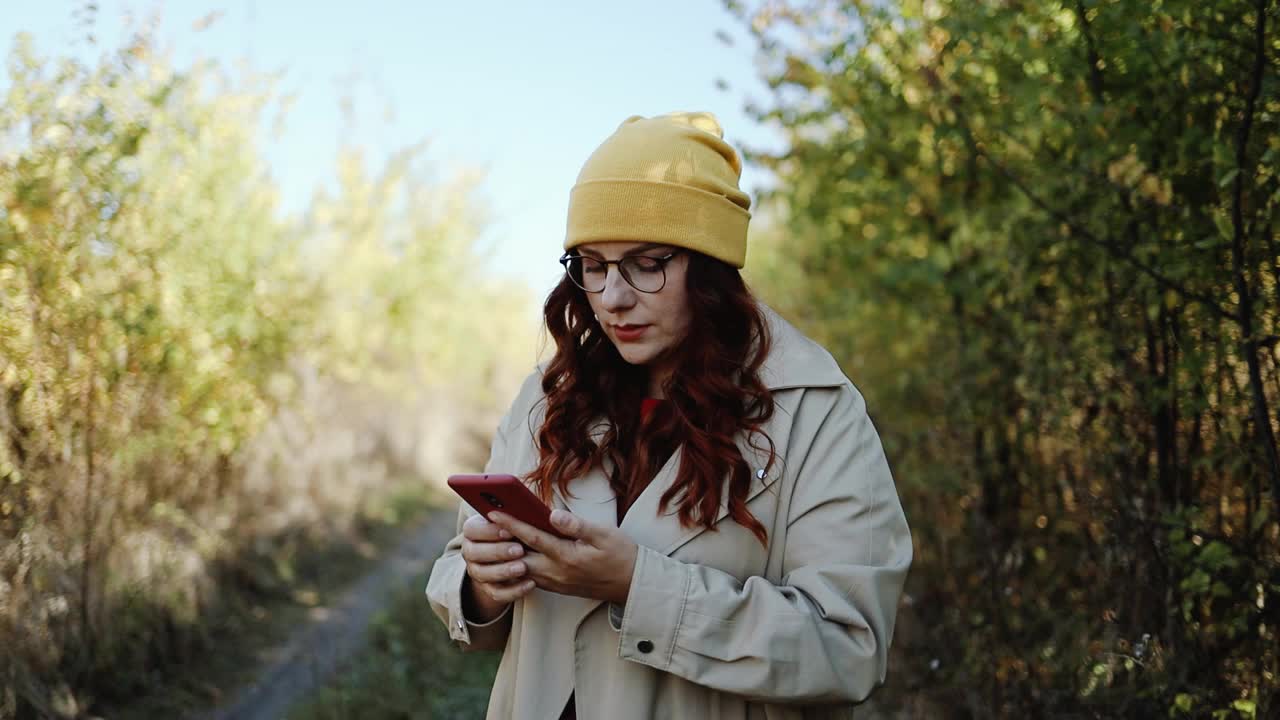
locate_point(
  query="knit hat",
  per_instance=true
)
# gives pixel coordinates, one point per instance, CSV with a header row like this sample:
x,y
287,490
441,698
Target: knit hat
x,y
669,179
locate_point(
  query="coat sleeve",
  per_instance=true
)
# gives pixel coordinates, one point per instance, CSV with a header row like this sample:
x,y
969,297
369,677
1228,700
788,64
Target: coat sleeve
x,y
822,635
444,587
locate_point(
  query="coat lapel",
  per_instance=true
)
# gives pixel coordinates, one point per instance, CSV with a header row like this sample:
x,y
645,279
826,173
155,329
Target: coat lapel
x,y
592,499
591,495
662,531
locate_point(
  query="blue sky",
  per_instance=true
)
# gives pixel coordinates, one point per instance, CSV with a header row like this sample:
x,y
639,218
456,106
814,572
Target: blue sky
x,y
523,90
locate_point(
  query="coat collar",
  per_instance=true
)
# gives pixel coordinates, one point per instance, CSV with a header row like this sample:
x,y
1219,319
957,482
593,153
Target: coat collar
x,y
795,361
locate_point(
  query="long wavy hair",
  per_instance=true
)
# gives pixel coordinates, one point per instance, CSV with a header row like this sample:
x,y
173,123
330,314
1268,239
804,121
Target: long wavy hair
x,y
713,393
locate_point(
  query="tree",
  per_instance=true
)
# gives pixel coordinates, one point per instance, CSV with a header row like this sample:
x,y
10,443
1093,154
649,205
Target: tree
x,y
1043,236
157,313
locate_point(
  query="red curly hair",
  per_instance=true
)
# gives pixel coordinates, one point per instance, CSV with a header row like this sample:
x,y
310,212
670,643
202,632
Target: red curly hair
x,y
714,393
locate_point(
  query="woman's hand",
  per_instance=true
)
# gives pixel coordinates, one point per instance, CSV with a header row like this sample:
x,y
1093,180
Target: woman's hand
x,y
596,562
495,567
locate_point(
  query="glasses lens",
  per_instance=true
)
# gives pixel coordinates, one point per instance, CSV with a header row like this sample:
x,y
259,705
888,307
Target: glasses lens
x,y
644,273
586,273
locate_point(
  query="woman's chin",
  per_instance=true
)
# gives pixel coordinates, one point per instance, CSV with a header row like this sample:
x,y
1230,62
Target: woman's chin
x,y
636,355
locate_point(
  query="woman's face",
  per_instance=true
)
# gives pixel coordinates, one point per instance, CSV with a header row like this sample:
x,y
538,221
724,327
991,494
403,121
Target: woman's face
x,y
643,326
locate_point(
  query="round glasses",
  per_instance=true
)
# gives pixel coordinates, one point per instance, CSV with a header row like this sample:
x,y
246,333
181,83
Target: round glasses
x,y
644,273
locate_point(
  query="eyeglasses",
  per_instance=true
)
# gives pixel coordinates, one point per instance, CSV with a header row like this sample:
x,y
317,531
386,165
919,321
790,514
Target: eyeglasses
x,y
644,273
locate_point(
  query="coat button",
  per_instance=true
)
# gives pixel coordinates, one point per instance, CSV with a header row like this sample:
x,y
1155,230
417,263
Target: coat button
x,y
644,646
760,474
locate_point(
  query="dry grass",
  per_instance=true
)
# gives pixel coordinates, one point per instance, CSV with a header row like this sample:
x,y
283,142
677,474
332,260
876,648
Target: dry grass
x,y
167,573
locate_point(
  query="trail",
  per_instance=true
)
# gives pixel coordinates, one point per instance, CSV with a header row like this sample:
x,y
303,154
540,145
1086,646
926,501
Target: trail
x,y
335,632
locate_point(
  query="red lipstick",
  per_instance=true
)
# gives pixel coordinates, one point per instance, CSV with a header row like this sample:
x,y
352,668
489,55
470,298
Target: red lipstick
x,y
629,333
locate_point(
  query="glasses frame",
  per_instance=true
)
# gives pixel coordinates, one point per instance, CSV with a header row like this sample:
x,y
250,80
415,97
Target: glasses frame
x,y
662,266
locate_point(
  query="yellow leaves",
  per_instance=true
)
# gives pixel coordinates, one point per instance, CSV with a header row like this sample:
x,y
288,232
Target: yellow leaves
x,y
886,37
1066,19
56,133
800,72
1130,172
1037,68
204,23
1158,190
938,38
18,219
761,21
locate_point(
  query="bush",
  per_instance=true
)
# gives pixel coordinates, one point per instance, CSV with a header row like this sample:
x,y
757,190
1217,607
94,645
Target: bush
x,y
1041,237
191,382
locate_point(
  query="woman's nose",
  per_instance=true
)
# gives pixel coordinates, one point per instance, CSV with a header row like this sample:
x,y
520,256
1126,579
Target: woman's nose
x,y
618,293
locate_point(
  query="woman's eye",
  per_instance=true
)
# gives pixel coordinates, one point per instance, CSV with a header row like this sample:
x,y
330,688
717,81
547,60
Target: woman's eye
x,y
591,268
646,264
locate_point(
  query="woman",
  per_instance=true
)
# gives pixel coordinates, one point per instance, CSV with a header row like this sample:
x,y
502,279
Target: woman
x,y
737,548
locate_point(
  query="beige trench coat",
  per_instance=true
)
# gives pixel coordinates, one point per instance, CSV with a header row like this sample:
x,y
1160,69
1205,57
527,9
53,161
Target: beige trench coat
x,y
716,625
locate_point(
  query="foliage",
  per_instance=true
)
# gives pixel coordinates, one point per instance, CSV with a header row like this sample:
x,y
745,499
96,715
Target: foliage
x,y
1042,237
191,381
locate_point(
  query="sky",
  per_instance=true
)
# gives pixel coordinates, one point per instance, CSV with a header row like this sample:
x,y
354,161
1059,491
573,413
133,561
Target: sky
x,y
521,90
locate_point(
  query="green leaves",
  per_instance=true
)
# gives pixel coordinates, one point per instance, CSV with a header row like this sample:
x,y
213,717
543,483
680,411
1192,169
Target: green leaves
x,y
1016,227
160,317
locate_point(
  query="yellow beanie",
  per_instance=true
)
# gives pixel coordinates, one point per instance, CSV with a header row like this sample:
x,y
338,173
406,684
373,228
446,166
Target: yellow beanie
x,y
669,179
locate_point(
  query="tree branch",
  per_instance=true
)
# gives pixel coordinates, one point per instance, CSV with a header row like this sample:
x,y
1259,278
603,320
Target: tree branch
x,y
1244,309
1113,248
1096,85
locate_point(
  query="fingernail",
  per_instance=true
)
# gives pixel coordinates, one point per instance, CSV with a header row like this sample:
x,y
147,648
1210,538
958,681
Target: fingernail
x,y
514,551
504,534
517,569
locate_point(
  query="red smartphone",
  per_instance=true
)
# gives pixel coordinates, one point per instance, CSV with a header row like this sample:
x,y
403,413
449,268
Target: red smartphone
x,y
499,491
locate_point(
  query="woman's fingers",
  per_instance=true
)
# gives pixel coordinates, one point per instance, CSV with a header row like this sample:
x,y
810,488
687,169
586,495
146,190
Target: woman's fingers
x,y
508,593
536,539
491,552
496,573
495,564
478,529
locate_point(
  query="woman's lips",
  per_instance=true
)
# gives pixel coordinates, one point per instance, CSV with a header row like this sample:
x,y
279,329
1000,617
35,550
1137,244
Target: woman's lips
x,y
629,333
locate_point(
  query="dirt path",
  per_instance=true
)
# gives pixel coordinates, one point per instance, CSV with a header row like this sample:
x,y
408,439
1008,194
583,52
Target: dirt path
x,y
292,671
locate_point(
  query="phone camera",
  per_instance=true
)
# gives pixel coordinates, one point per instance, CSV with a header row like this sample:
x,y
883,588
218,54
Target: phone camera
x,y
491,499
